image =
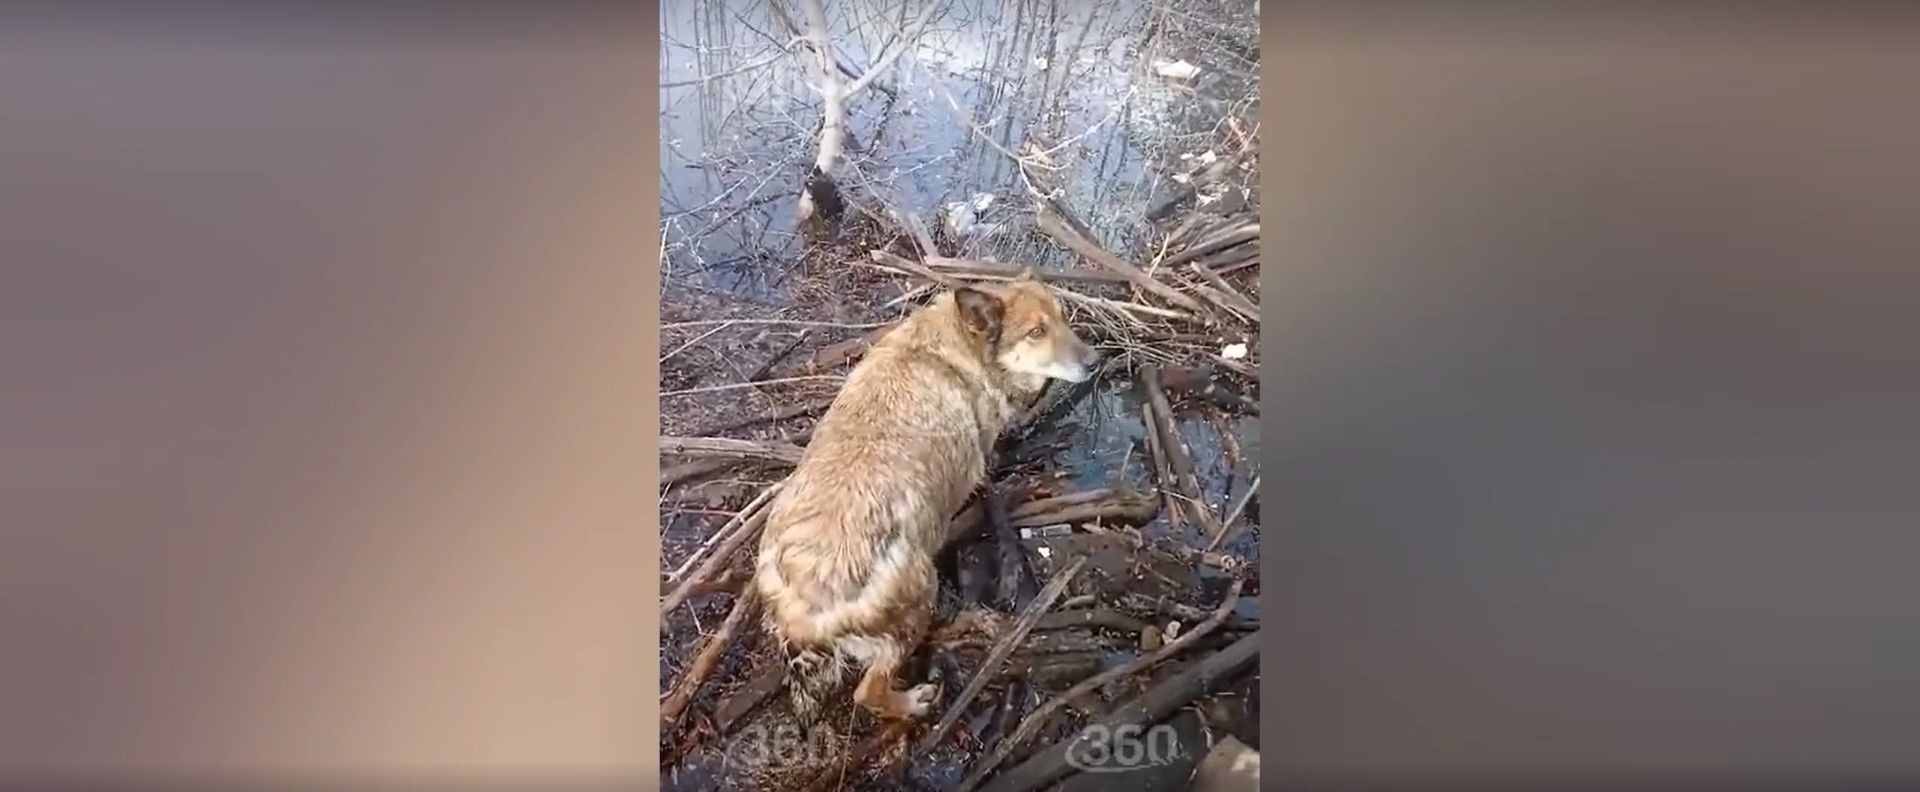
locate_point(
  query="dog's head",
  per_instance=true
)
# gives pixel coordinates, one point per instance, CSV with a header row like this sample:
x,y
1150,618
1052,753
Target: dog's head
x,y
1021,326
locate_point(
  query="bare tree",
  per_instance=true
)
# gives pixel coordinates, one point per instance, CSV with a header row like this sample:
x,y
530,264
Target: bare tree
x,y
822,196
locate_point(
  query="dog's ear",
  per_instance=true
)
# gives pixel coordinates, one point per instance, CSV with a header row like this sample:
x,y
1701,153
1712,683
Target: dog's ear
x,y
980,312
1027,273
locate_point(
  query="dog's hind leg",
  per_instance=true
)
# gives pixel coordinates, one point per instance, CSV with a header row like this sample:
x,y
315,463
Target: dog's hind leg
x,y
875,691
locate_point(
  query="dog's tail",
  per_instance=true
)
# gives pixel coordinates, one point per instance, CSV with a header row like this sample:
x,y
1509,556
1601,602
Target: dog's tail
x,y
812,674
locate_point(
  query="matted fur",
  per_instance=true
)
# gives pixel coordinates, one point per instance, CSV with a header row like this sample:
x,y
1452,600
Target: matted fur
x,y
846,564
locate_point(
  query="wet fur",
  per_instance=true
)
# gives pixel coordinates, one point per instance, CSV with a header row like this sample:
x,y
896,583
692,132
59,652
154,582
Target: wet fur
x,y
846,564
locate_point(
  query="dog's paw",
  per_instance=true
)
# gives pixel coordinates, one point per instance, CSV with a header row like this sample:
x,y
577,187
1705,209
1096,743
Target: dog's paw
x,y
920,699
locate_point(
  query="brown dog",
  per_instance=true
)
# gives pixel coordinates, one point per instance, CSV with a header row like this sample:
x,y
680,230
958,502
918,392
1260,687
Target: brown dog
x,y
846,566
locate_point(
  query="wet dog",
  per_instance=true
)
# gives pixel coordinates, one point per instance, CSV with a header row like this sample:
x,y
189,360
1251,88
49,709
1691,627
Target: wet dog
x,y
846,563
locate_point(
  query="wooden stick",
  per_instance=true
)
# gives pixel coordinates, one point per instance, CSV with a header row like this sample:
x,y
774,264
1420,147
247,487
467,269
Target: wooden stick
x,y
1126,508
1052,503
1157,460
1055,225
1175,451
744,608
748,531
958,266
1239,302
782,414
1037,719
1004,647
770,450
1236,236
1152,706
841,353
779,355
726,531
915,267
1229,525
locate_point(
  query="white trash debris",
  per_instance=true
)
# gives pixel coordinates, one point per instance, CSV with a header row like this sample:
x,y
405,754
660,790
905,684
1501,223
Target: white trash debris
x,y
1233,351
1178,70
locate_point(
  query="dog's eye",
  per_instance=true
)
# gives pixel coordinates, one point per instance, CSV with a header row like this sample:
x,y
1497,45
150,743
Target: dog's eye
x,y
1039,331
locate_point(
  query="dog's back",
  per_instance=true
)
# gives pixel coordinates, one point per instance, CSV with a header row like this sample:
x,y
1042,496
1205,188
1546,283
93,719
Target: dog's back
x,y
846,562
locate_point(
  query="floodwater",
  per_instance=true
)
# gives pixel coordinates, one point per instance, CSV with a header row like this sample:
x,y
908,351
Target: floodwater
x,y
1073,80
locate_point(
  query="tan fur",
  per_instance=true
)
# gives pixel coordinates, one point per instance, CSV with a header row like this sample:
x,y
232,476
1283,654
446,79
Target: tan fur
x,y
846,565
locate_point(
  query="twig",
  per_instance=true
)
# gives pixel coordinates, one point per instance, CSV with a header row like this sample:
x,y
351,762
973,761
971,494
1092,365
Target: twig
x,y
739,385
748,531
1001,650
767,367
1123,509
1054,224
782,414
915,267
744,607
1038,718
1172,449
1152,706
844,351
696,339
731,447
726,531
1239,235
793,322
1238,302
1228,525
735,70
969,267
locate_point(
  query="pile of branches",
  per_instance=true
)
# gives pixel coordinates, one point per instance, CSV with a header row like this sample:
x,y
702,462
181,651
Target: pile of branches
x,y
1169,322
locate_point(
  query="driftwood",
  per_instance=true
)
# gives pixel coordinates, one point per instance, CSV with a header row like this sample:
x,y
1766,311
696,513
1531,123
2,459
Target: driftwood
x,y
1017,781
984,269
1179,465
1230,525
770,450
1176,549
1201,382
1119,509
779,355
729,714
725,532
1184,612
1005,646
1235,300
746,530
745,607
1155,705
1055,224
1237,235
1107,618
839,354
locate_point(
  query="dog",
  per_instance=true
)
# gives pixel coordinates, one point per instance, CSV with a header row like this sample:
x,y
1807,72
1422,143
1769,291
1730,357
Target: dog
x,y
846,561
